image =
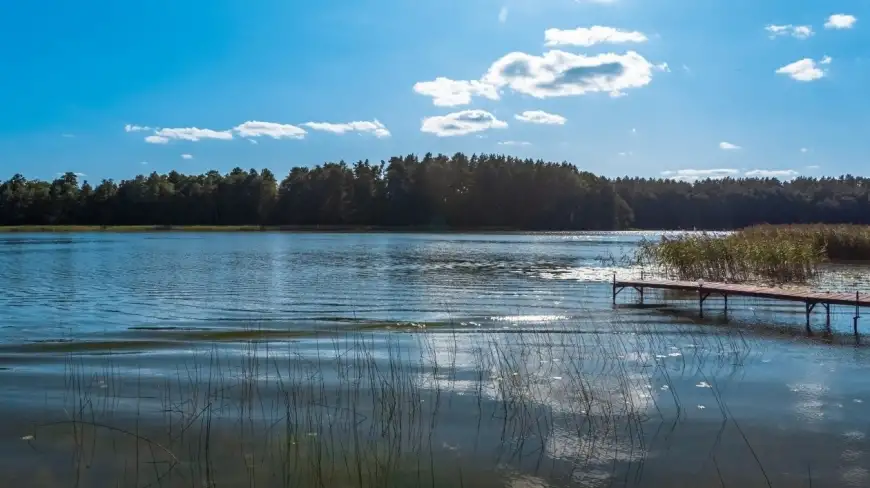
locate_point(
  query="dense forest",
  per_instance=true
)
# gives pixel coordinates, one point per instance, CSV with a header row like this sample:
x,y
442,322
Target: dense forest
x,y
480,191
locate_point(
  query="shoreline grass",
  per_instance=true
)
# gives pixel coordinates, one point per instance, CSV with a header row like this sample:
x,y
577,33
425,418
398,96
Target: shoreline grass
x,y
60,229
767,253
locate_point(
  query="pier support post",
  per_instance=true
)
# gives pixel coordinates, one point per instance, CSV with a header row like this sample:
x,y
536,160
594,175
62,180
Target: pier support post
x,y
725,297
614,289
809,307
702,295
827,316
857,315
640,291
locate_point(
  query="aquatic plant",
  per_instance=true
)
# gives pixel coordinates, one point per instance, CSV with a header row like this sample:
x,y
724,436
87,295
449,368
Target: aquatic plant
x,y
369,409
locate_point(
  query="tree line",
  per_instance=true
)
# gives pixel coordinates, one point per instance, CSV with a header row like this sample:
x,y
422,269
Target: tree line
x,y
435,191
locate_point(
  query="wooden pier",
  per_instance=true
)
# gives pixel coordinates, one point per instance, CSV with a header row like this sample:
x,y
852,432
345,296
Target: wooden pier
x,y
724,290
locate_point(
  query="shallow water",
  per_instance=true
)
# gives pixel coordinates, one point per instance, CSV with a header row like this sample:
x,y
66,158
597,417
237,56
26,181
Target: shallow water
x,y
407,360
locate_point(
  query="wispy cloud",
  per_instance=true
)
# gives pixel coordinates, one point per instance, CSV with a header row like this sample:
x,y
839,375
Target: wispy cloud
x,y
461,123
692,175
503,15
68,136
727,146
796,31
193,134
841,21
136,128
157,140
804,69
540,117
364,127
451,93
514,143
772,173
590,36
187,156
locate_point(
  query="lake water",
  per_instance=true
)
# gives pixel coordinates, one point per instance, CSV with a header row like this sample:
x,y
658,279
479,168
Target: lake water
x,y
280,359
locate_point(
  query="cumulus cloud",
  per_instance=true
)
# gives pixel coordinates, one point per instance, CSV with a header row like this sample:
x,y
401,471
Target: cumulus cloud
x,y
590,36
187,156
192,134
692,175
514,143
254,128
450,93
558,73
461,123
727,146
503,15
772,173
540,117
796,31
156,140
135,128
804,69
841,21
374,127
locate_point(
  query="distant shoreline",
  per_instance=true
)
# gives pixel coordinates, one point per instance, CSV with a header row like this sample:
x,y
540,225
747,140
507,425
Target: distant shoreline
x,y
266,228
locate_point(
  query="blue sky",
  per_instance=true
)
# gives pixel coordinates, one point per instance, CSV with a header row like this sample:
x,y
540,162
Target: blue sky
x,y
639,87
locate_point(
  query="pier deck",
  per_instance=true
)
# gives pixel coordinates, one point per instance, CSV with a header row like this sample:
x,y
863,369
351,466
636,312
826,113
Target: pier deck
x,y
704,290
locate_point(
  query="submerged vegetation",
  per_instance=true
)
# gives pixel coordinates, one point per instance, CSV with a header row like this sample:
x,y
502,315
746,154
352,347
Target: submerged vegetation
x,y
433,191
779,254
379,410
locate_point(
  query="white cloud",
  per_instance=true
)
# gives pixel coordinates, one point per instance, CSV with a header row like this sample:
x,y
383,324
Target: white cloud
x,y
559,73
274,130
633,131
727,146
461,123
192,134
144,163
374,127
156,140
450,93
135,128
804,69
514,143
589,36
692,175
803,149
626,153
663,67
813,167
796,31
540,117
772,173
841,21
503,15
187,156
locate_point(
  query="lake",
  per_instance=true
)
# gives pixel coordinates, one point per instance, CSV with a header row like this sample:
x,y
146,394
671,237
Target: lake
x,y
401,359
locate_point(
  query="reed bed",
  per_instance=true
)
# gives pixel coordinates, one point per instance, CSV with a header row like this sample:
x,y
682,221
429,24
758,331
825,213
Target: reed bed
x,y
768,253
534,408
